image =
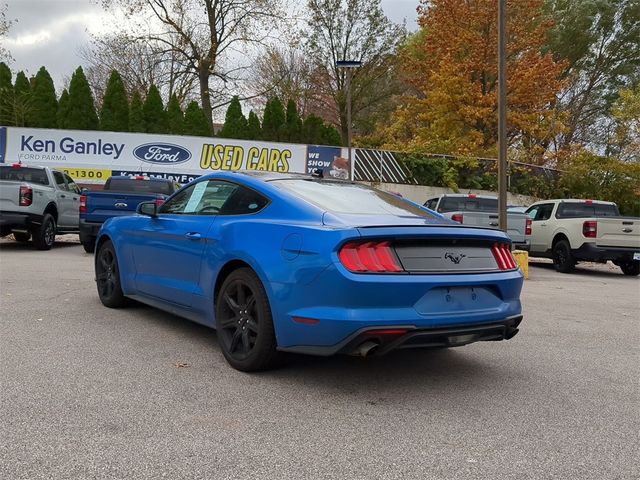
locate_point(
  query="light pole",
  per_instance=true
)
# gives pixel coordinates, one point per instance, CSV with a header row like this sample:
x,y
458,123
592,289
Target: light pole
x,y
349,65
502,115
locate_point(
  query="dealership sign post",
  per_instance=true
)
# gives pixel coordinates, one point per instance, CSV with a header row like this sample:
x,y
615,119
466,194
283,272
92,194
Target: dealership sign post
x,y
92,157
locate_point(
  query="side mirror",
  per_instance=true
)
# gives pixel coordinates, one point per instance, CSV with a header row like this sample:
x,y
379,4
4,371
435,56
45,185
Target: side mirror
x,y
149,209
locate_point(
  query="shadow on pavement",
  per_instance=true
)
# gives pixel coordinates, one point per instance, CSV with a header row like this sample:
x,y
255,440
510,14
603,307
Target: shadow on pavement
x,y
11,245
587,270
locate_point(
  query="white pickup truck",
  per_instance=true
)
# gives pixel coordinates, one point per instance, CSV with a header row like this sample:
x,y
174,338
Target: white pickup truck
x,y
569,231
37,203
482,211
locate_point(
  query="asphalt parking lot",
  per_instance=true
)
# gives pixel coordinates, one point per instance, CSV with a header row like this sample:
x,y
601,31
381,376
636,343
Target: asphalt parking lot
x,y
88,392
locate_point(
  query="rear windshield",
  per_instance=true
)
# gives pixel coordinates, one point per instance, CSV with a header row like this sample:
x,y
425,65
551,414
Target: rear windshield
x,y
24,174
131,185
457,204
350,198
585,210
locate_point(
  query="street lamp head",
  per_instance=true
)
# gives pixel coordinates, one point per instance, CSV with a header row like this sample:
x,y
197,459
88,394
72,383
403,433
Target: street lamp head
x,y
348,64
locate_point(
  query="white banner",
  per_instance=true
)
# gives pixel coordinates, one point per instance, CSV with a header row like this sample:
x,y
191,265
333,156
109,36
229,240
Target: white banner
x,y
91,156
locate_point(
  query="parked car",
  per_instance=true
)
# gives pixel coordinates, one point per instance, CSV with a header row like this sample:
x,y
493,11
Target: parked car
x,y
293,263
120,196
37,203
482,211
570,231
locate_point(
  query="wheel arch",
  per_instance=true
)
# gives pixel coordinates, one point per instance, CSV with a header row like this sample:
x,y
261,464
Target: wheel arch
x,y
225,271
559,237
52,210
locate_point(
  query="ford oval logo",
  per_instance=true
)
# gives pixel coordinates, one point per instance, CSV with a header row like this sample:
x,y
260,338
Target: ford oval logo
x,y
161,153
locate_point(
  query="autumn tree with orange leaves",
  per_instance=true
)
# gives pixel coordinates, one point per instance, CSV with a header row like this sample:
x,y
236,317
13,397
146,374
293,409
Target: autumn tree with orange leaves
x,y
451,63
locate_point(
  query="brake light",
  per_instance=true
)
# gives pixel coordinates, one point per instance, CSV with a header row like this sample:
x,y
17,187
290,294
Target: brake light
x,y
139,177
159,202
472,195
369,257
25,196
457,217
16,165
502,254
588,202
83,204
590,229
527,230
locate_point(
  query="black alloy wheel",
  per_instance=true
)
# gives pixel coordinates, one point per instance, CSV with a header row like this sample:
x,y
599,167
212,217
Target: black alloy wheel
x,y
244,323
108,277
563,260
45,235
631,268
21,236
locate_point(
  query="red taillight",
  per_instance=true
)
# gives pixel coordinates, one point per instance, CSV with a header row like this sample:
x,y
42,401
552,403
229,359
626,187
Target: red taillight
x,y
502,254
457,217
590,229
527,230
588,202
159,202
16,165
369,257
25,196
83,204
472,195
388,331
139,177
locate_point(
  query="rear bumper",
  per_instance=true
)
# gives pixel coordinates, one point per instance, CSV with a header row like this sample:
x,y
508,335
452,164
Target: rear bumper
x,y
378,341
18,220
522,245
590,252
88,230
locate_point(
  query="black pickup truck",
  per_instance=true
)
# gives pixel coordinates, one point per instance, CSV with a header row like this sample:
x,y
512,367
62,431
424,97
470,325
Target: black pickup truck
x,y
120,196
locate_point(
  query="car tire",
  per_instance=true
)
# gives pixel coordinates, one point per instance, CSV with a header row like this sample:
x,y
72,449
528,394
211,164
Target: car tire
x,y
89,245
245,324
631,268
108,277
44,236
22,236
563,260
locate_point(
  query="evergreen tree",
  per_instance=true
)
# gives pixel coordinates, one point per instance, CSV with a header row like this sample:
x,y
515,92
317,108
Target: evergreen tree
x,y
136,117
274,122
195,121
81,113
155,116
21,102
6,94
114,114
175,116
254,131
331,136
294,123
235,123
63,108
43,113
312,130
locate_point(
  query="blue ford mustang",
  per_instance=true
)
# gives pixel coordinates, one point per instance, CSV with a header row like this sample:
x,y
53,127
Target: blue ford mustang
x,y
295,263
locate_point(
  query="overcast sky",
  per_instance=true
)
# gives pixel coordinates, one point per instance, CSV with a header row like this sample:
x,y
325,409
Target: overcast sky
x,y
50,32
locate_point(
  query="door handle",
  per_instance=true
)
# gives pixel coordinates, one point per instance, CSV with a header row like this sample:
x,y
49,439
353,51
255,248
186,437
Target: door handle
x,y
193,236
63,196
494,224
543,224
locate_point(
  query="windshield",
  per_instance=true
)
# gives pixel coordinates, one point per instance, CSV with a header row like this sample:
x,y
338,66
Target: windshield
x,y
348,198
131,185
586,210
24,174
467,204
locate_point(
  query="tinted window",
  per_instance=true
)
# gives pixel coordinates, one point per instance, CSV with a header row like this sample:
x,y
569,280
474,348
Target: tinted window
x,y
71,184
243,201
357,199
585,210
540,212
431,203
59,179
24,174
131,185
457,204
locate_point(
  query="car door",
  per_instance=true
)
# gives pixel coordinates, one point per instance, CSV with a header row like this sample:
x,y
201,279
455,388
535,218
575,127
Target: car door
x,y
168,248
64,201
74,202
541,231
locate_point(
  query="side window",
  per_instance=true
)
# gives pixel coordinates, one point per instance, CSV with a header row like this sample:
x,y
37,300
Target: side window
x,y
58,177
532,212
243,201
202,198
544,212
431,203
72,186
